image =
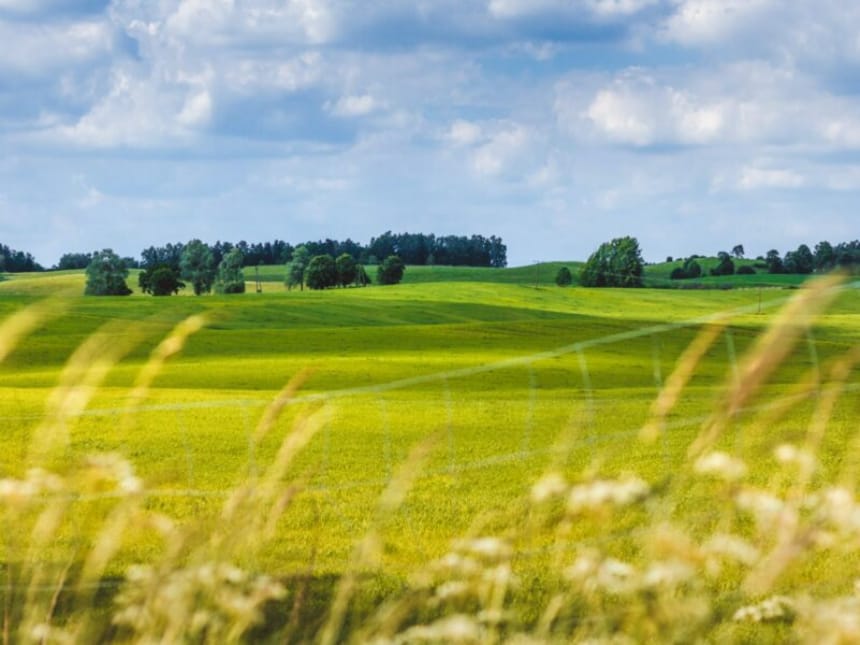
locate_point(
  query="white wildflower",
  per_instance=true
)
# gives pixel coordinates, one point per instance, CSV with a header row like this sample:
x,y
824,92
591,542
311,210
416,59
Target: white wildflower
x,y
16,492
773,609
608,574
488,548
600,493
453,629
453,563
668,574
500,575
549,486
585,566
766,508
452,589
732,547
614,575
840,508
790,455
720,465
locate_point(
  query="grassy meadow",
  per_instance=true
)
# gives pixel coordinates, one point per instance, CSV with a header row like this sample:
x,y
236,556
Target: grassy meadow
x,y
460,417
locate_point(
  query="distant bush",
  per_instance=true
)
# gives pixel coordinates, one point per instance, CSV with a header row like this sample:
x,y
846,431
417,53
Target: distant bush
x,y
563,278
746,269
725,266
391,270
690,270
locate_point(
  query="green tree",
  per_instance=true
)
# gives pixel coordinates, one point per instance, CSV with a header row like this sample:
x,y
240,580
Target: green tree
x,y
563,278
804,261
347,269
361,277
106,274
321,272
774,262
391,270
297,267
738,251
725,266
617,263
160,280
825,258
230,278
198,266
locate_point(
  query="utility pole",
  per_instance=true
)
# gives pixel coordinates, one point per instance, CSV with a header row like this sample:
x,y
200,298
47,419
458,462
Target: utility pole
x,y
257,276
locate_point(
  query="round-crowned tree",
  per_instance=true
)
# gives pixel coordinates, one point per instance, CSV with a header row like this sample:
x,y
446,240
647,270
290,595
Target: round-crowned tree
x,y
106,274
617,263
321,272
391,270
347,269
197,265
230,277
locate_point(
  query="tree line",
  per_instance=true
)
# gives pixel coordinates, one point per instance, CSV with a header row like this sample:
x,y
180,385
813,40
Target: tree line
x,y
618,263
412,248
802,260
170,269
13,261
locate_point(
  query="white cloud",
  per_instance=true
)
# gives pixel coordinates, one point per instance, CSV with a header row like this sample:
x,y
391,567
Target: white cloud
x,y
139,111
219,22
353,105
696,22
600,8
624,117
612,8
197,109
753,177
463,133
738,104
503,149
41,48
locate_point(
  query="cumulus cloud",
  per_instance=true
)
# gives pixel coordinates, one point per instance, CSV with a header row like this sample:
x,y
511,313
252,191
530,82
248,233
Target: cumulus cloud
x,y
749,103
353,105
710,21
228,22
139,112
34,49
603,8
463,133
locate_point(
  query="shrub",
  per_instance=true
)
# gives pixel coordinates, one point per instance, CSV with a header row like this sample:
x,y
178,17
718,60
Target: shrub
x,y
563,278
391,270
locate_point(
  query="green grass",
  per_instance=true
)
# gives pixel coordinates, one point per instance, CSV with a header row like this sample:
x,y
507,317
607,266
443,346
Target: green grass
x,y
480,362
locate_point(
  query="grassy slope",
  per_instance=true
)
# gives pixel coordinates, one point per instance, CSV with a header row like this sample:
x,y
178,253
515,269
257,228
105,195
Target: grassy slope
x,y
493,429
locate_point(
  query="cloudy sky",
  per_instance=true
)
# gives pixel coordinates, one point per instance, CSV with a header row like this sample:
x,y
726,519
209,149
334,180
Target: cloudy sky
x,y
557,124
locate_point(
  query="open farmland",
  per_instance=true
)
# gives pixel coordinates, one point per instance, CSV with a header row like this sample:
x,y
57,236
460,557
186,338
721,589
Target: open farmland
x,y
501,380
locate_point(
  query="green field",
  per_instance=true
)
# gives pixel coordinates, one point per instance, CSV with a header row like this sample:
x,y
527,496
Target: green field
x,y
501,375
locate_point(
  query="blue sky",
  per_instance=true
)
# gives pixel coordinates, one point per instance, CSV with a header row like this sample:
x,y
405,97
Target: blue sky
x,y
694,125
